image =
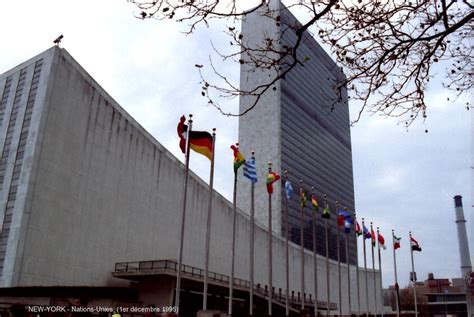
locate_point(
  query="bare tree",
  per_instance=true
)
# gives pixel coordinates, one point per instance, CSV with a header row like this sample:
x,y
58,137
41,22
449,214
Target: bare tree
x,y
386,48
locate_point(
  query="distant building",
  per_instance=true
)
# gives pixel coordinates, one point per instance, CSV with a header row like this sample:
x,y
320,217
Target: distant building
x,y
435,297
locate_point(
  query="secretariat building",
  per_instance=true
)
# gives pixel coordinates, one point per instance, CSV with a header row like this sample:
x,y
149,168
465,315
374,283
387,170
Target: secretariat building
x,y
302,125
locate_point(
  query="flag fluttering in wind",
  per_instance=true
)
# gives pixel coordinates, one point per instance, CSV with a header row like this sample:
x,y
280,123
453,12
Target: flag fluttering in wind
x,y
250,170
326,212
288,189
348,222
358,231
271,178
303,198
372,235
366,233
199,141
314,202
396,242
239,159
381,240
341,217
344,219
414,245
182,129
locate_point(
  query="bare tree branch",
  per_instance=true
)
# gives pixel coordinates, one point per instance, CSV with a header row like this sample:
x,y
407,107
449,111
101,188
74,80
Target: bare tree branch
x,y
385,48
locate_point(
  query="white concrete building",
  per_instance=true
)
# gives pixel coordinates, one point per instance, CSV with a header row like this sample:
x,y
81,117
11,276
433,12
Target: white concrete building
x,y
90,201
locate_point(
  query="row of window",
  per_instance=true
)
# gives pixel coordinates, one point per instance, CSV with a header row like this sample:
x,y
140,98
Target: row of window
x,y
20,151
5,95
12,123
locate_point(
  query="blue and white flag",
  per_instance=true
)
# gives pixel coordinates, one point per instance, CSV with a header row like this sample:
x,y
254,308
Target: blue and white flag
x,y
366,232
347,223
289,189
250,171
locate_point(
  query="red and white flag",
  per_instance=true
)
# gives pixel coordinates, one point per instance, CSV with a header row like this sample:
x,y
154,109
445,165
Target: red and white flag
x,y
396,242
381,241
414,245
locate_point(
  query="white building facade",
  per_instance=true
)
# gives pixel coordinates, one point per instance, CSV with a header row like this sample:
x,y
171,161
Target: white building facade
x,y
84,187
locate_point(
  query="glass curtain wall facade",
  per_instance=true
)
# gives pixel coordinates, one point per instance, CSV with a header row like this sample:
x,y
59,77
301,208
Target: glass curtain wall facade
x,y
311,132
316,142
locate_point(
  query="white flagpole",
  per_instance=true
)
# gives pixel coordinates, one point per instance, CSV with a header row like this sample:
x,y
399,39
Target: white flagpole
x,y
183,216
231,280
315,258
338,261
380,270
357,265
413,275
252,233
270,284
328,302
287,257
208,228
365,268
395,270
302,242
348,270
373,269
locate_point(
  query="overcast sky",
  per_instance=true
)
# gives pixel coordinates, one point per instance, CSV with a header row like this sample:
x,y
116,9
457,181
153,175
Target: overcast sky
x,y
404,180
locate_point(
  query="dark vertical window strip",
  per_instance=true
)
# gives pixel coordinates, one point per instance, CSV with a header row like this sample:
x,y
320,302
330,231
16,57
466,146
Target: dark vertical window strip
x,y
11,124
4,100
310,156
17,165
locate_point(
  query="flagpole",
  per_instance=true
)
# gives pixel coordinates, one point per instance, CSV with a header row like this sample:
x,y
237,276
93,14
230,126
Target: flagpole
x,y
380,269
348,271
302,241
315,259
270,284
328,302
231,280
208,228
183,215
373,269
395,270
338,263
252,233
413,275
365,268
287,257
357,267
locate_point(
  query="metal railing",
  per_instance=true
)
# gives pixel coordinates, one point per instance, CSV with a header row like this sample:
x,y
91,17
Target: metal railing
x,y
150,266
172,265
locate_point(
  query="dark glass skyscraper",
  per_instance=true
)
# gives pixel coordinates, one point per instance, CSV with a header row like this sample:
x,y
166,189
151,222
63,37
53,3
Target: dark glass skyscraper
x,y
301,125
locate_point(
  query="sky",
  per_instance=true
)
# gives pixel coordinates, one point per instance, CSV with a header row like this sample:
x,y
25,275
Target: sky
x,y
404,179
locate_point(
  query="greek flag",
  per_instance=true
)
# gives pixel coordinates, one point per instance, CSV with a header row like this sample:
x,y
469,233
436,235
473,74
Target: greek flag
x,y
289,189
250,170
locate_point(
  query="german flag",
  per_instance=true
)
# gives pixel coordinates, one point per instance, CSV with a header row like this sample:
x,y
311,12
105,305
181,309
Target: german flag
x,y
201,142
